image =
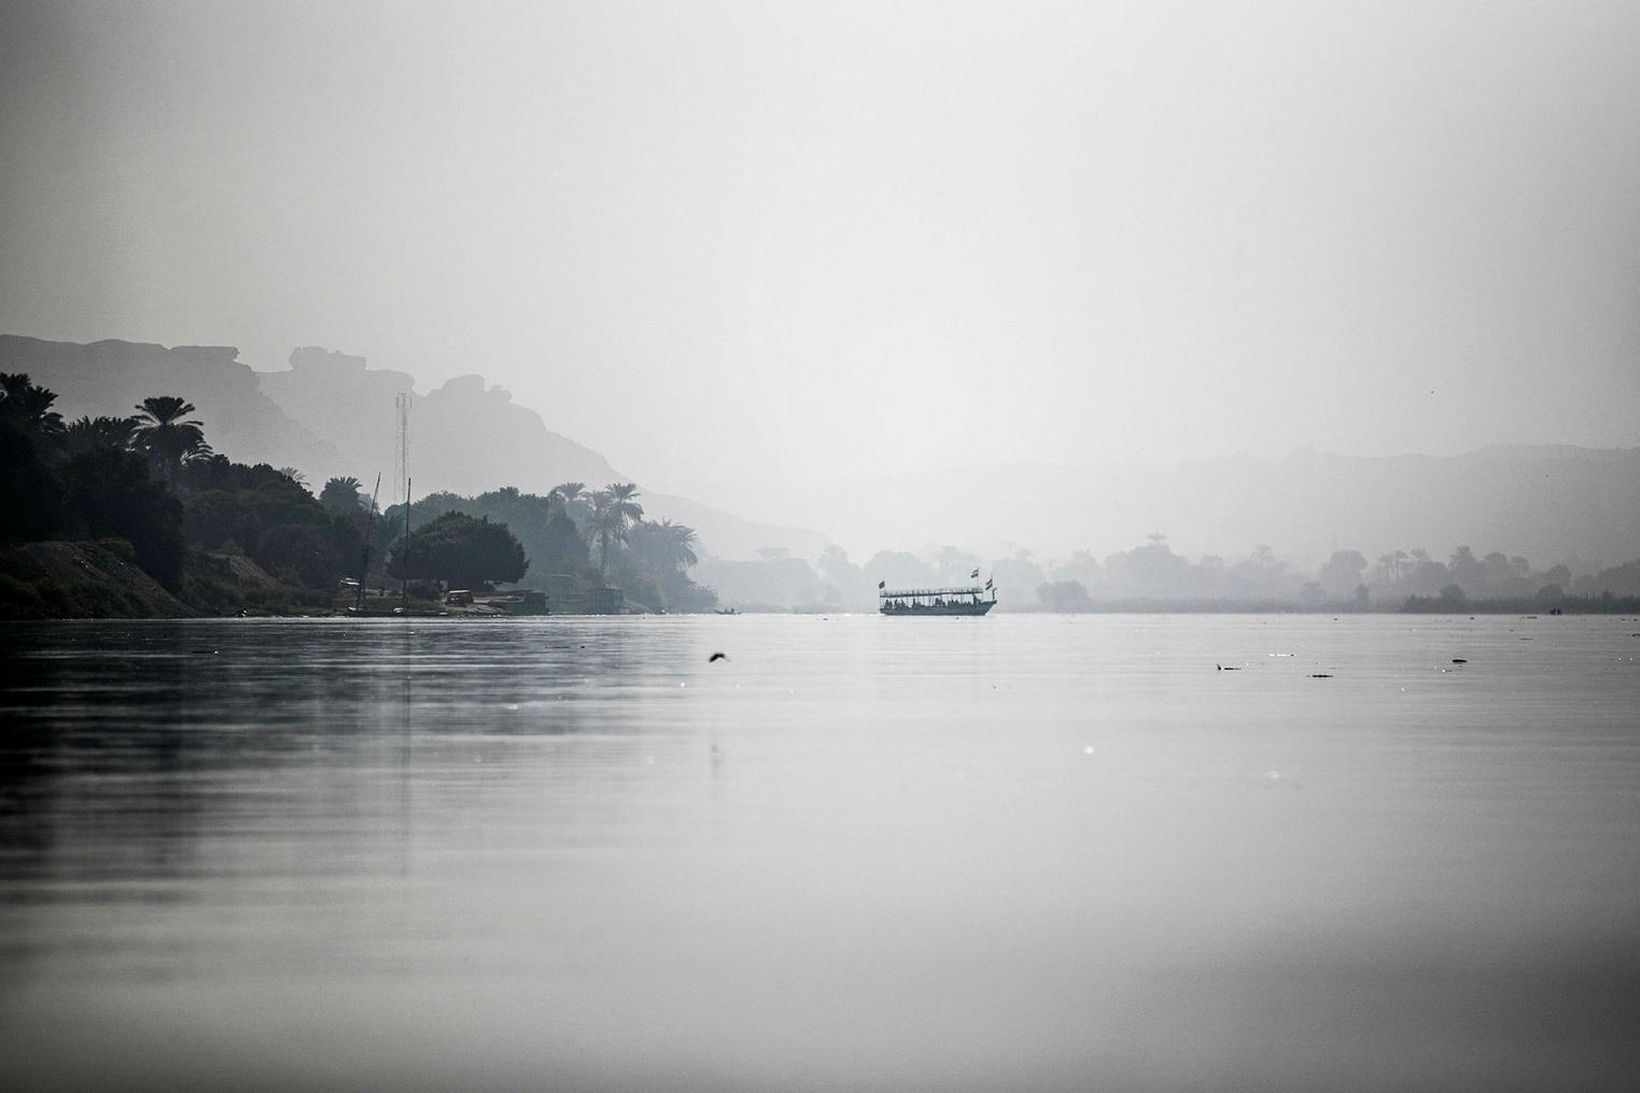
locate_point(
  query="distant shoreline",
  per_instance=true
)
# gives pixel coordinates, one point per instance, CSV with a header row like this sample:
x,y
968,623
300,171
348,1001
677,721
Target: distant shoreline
x,y
422,613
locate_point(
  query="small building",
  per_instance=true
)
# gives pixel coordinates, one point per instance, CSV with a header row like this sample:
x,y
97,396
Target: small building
x,y
458,597
527,602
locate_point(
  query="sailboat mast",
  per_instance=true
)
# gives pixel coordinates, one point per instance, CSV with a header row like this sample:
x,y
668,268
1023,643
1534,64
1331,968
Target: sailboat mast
x,y
369,523
404,582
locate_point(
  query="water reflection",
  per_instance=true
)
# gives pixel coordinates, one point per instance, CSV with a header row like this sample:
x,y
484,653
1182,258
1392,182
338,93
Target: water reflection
x,y
1027,853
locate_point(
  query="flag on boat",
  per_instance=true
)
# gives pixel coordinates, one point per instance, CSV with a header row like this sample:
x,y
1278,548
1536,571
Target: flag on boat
x,y
974,574
882,584
987,581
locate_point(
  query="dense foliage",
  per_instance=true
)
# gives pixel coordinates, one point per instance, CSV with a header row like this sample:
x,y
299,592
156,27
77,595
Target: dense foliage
x,y
460,551
267,515
576,540
226,536
63,482
150,484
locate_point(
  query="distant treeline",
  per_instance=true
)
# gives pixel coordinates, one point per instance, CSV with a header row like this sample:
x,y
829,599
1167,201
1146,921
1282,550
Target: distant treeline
x,y
1409,580
1151,577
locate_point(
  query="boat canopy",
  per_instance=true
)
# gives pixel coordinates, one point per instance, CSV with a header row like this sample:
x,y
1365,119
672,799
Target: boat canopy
x,y
908,593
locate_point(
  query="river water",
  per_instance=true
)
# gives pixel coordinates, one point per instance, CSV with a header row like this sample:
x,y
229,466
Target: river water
x,y
1021,852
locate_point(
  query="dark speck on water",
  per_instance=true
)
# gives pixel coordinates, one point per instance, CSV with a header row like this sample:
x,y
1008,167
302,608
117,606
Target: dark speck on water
x,y
567,852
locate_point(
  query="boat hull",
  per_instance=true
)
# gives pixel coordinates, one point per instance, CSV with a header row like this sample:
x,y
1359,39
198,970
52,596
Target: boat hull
x,y
979,608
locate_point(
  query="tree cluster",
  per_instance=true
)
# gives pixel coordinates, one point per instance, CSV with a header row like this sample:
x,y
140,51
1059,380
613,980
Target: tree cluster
x,y
574,540
95,478
151,480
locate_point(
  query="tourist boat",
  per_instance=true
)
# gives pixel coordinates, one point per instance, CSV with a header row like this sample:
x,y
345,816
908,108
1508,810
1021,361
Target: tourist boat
x,y
963,600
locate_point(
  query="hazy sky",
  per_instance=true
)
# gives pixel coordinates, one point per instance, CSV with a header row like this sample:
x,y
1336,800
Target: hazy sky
x,y
797,241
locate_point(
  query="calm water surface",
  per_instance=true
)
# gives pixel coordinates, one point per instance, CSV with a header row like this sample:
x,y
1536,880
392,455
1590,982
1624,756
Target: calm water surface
x,y
1016,852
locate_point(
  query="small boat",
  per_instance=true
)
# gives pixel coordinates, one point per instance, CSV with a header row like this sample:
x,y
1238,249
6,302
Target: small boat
x,y
724,611
963,600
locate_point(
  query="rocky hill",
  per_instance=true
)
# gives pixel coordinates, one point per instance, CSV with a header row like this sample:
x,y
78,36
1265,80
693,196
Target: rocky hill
x,y
111,377
466,436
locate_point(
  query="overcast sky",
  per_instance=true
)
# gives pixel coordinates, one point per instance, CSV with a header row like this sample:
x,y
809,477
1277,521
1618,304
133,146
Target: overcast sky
x,y
799,241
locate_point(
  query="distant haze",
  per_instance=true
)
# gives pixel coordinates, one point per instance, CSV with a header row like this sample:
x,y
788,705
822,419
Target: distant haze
x,y
809,242
1551,504
329,413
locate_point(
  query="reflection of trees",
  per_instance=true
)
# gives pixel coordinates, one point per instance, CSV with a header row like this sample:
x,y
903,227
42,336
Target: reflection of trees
x,y
148,766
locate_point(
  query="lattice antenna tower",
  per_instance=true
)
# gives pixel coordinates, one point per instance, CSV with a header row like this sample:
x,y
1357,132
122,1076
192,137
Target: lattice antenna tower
x,y
401,450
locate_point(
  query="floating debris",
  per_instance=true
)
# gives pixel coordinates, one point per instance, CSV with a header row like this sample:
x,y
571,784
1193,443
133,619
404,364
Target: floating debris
x,y
715,657
1222,668
1320,675
1459,660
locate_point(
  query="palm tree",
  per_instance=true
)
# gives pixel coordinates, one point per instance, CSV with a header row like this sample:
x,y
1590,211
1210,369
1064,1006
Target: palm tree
x,y
568,492
603,526
341,495
169,440
675,544
613,511
29,404
625,495
294,475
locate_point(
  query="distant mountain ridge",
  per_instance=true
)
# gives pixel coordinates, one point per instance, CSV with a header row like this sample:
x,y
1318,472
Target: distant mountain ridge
x,y
329,414
110,377
1550,503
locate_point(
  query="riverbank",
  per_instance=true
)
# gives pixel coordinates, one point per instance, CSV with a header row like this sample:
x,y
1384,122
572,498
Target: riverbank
x,y
101,580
